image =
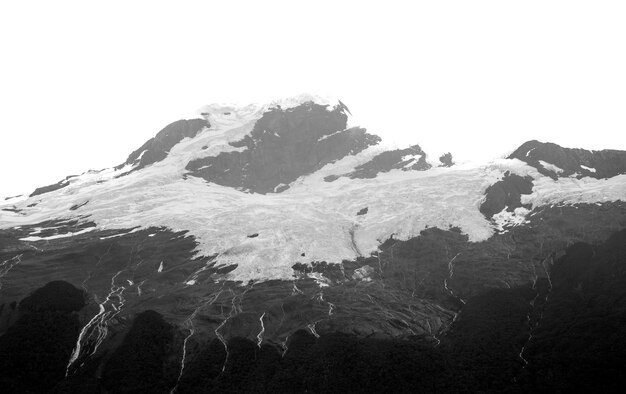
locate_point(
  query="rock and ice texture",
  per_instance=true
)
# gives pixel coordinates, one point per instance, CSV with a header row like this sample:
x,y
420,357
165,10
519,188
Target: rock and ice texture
x,y
157,148
565,162
50,188
446,160
312,217
412,158
551,167
507,218
275,248
284,145
221,184
505,195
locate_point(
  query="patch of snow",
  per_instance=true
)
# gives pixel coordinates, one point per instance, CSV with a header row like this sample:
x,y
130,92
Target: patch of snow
x,y
117,235
550,167
66,235
39,230
138,159
364,273
320,279
588,168
505,218
528,153
294,101
412,158
279,186
322,138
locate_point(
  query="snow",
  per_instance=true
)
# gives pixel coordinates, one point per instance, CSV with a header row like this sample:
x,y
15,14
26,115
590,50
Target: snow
x,y
66,235
505,218
550,167
295,101
12,200
281,185
320,279
412,159
312,217
363,273
588,168
138,159
528,153
576,191
322,138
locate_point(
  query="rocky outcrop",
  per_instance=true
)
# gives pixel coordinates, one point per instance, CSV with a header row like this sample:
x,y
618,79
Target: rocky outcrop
x,y
409,159
50,188
157,148
446,160
283,146
506,193
555,161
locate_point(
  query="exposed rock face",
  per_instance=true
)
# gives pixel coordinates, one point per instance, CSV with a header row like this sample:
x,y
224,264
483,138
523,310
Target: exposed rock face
x,y
511,311
595,164
550,314
50,188
157,148
362,211
284,145
506,194
410,159
446,160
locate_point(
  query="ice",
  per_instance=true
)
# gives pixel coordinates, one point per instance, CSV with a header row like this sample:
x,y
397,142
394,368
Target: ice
x,y
412,159
66,235
295,101
550,167
312,216
505,218
588,168
322,138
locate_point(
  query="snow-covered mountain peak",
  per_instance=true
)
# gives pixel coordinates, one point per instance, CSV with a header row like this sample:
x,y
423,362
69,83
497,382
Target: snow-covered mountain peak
x,y
296,175
229,111
294,101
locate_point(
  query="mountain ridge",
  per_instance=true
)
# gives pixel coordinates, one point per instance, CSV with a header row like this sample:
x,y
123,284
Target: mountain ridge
x,y
357,247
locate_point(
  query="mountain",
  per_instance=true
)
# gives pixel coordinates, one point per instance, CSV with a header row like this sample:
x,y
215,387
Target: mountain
x,y
279,248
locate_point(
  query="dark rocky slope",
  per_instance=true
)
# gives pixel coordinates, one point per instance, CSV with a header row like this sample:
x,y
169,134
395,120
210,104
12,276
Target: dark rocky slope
x,y
506,193
284,145
50,188
35,350
563,332
157,148
606,163
403,159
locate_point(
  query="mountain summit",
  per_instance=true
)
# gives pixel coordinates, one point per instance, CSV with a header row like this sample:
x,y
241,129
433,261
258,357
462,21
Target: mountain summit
x,y
255,247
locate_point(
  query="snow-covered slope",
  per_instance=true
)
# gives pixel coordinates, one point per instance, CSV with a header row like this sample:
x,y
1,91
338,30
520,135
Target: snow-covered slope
x,y
311,220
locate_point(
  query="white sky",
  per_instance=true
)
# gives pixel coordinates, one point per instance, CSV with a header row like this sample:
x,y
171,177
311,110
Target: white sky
x,y
82,84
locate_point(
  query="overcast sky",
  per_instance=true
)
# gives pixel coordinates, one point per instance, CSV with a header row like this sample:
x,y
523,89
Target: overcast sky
x,y
83,83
